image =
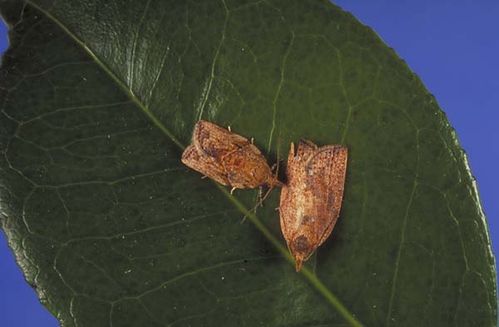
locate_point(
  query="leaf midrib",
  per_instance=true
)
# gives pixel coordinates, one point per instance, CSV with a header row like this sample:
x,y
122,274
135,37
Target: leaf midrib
x,y
307,273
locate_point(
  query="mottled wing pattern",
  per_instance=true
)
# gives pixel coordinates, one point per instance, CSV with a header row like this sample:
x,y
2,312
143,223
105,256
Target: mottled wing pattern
x,y
293,189
287,210
311,199
215,141
305,149
326,172
246,168
204,164
228,158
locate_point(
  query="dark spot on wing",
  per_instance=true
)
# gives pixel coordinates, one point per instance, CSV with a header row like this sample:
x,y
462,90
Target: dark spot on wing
x,y
212,152
307,220
301,244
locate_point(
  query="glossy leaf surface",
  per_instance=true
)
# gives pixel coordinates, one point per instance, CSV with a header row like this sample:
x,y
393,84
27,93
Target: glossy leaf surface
x,y
98,99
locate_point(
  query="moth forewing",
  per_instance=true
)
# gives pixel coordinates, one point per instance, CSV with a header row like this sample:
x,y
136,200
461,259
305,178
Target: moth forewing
x,y
311,200
306,149
205,165
215,141
330,164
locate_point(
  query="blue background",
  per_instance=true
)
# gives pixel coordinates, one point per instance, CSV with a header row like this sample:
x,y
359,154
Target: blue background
x,y
453,45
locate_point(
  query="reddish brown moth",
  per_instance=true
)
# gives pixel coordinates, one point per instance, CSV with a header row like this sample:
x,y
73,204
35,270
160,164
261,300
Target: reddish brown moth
x,y
311,199
228,158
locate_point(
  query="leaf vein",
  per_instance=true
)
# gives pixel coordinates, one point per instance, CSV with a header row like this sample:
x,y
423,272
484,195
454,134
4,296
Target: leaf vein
x,y
279,88
313,280
402,236
207,91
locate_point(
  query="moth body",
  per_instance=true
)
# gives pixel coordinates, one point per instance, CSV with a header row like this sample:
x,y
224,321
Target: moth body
x,y
228,158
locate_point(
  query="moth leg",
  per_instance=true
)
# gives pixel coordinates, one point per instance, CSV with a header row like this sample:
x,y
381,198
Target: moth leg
x,y
232,190
260,196
258,201
229,129
252,140
204,176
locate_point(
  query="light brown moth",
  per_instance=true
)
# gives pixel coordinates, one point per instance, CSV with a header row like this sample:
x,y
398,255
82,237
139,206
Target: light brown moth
x,y
311,199
228,158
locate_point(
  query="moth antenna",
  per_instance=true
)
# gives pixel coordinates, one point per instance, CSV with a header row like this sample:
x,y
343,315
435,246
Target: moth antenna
x,y
260,200
265,196
257,198
259,195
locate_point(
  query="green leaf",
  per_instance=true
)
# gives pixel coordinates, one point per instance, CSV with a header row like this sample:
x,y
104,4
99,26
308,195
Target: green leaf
x,y
98,98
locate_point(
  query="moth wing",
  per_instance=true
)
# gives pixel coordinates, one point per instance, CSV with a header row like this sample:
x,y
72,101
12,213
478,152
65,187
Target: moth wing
x,y
246,168
296,159
215,141
305,149
287,210
204,164
292,191
288,197
326,171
